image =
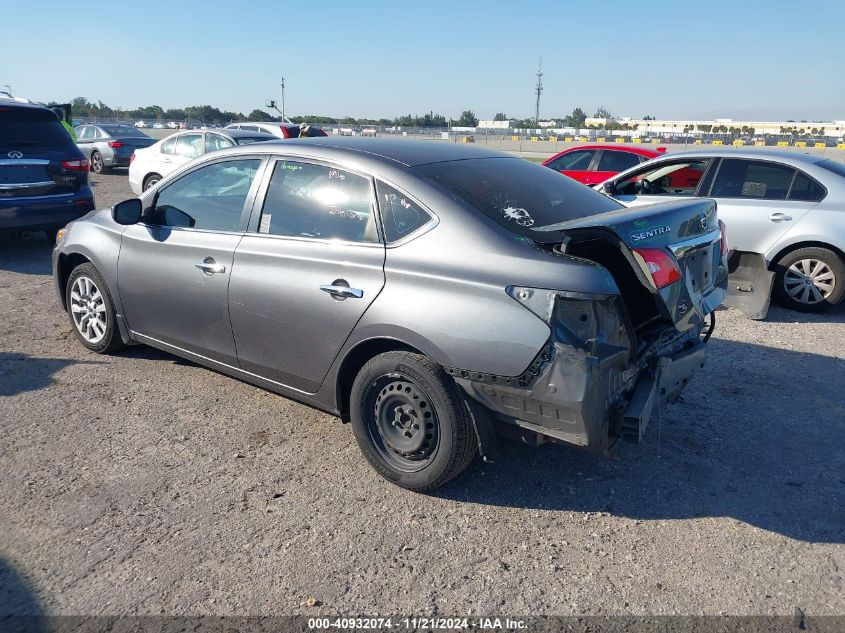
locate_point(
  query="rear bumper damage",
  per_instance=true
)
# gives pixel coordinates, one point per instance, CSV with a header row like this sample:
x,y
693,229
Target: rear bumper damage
x,y
594,383
749,284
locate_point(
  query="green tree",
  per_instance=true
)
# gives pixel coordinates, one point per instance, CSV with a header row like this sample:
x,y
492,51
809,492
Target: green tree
x,y
576,119
468,119
602,113
260,115
500,116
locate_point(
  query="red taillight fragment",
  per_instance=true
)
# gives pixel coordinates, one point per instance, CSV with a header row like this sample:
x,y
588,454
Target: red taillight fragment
x,y
115,144
662,267
285,132
723,232
131,158
76,164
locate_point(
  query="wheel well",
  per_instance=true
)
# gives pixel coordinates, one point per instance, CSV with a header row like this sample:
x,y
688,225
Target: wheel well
x,y
65,266
147,177
355,360
808,244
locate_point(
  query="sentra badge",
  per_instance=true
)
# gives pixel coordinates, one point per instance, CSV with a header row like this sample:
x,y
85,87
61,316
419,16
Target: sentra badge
x,y
647,234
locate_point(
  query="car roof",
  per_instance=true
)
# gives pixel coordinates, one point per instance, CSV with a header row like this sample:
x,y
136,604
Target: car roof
x,y
13,102
408,153
625,147
240,133
785,156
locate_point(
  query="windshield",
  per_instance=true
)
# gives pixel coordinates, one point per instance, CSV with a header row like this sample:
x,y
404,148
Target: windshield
x,y
246,140
123,130
522,196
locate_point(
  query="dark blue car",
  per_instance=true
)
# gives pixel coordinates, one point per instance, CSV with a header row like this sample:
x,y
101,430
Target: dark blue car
x,y
43,174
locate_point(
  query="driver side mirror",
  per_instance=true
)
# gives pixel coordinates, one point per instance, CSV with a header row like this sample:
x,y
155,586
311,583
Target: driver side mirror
x,y
609,188
127,212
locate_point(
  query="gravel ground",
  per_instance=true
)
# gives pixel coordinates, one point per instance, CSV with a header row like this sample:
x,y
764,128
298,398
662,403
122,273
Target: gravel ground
x,y
143,484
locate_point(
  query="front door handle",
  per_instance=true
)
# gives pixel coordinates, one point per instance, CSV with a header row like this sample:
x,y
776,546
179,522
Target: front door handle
x,y
780,217
209,267
342,292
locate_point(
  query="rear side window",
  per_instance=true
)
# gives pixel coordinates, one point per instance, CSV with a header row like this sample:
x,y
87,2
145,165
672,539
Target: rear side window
x,y
215,141
612,160
400,215
806,189
738,178
211,197
30,129
308,200
169,146
520,195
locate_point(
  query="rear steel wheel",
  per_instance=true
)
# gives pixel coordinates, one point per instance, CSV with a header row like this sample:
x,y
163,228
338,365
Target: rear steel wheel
x,y
98,165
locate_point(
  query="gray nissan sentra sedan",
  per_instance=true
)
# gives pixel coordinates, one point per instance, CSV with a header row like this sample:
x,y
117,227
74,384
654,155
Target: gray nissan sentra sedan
x,y
433,295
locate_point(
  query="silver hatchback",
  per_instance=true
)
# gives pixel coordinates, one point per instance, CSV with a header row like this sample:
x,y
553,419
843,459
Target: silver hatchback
x,y
430,294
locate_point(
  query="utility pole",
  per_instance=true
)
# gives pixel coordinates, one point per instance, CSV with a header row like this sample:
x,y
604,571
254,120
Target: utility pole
x,y
283,99
538,90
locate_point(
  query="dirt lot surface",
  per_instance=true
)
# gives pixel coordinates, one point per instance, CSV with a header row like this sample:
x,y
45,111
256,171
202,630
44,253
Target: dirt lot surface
x,y
142,484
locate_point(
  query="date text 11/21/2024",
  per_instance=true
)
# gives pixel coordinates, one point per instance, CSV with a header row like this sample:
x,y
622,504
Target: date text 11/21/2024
x,y
414,623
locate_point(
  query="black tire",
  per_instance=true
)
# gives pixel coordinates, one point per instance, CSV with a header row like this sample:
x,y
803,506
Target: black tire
x,y
149,181
110,340
432,439
819,293
98,165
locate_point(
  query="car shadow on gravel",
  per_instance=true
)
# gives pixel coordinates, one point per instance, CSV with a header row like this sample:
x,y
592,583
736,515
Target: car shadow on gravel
x,y
17,598
28,255
757,438
20,373
782,315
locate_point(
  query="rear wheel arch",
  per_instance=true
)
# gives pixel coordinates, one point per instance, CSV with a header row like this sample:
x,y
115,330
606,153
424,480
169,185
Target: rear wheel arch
x,y
798,245
355,359
147,178
67,262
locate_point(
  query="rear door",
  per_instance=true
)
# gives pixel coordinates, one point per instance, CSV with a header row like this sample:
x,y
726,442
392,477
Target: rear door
x,y
174,267
761,200
305,273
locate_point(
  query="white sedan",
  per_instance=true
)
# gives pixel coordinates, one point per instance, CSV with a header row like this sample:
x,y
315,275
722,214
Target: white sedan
x,y
149,165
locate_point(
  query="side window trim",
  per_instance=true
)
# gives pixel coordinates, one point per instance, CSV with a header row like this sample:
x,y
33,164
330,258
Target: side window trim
x,y
594,162
246,211
257,209
811,179
713,167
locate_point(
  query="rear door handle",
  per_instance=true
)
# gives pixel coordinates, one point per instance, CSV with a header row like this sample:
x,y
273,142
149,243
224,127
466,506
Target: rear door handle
x,y
342,291
780,217
209,267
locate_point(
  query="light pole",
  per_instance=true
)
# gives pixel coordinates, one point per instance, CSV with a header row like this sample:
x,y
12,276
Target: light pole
x,y
283,98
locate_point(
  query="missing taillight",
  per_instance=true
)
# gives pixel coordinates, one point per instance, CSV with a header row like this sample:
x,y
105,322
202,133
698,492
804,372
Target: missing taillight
x,y
76,164
660,265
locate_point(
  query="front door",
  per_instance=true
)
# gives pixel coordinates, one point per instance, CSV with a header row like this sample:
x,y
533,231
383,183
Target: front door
x,y
660,182
175,266
305,273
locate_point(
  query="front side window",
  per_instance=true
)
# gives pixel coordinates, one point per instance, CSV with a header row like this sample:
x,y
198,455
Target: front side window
x,y
210,198
679,178
400,215
616,161
214,142
189,145
307,200
573,161
739,178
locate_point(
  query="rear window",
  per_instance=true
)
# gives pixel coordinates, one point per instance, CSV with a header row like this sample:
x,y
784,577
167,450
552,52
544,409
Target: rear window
x,y
832,165
123,130
520,195
246,140
30,129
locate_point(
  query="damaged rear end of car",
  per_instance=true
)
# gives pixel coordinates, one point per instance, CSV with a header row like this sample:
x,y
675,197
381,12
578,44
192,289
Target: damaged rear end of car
x,y
612,360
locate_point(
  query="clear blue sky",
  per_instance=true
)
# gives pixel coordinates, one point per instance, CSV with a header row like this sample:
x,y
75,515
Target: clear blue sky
x,y
772,59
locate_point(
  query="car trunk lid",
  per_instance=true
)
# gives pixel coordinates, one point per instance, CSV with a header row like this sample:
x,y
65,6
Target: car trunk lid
x,y
671,250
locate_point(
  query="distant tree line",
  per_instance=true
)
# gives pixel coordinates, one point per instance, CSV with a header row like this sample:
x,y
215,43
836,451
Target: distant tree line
x,y
82,107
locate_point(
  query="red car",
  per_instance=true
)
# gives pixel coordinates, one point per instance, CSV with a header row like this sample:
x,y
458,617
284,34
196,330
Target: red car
x,y
592,164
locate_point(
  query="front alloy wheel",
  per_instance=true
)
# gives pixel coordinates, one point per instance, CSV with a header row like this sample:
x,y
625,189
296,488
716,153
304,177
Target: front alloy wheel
x,y
91,311
97,163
